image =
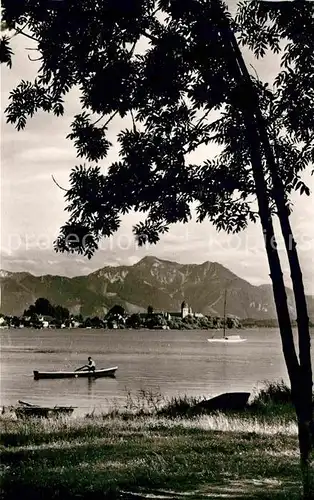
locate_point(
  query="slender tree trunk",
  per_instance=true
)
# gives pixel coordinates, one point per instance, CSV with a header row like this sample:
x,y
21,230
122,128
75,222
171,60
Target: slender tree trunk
x,y
300,374
291,248
245,85
303,403
276,274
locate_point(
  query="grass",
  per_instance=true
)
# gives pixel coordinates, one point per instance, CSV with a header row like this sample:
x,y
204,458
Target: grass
x,y
141,450
272,401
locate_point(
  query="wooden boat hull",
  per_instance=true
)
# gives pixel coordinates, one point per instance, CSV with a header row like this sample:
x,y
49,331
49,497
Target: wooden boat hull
x,y
106,372
43,412
26,410
228,401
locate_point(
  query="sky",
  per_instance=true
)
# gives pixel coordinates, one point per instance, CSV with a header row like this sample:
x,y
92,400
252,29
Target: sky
x,y
32,206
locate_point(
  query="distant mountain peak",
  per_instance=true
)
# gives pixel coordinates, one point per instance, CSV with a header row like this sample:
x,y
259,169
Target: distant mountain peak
x,y
151,260
151,281
148,259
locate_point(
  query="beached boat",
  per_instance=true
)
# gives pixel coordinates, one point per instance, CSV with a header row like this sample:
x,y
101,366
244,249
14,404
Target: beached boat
x,y
104,372
228,401
31,410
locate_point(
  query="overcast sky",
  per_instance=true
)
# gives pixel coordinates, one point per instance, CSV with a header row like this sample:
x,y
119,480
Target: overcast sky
x,y
32,206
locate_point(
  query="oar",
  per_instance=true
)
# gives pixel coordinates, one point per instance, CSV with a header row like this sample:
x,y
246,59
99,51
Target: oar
x,y
81,368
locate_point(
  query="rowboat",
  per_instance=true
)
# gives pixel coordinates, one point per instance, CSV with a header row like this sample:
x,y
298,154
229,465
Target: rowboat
x,y
103,372
31,410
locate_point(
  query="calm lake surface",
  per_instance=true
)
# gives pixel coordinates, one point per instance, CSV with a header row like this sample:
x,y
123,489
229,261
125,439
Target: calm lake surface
x,y
170,362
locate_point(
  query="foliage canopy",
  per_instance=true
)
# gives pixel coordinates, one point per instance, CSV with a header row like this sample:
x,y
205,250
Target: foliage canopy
x,y
165,67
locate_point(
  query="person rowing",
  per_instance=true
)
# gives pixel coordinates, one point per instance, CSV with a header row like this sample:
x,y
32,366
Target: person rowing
x,y
91,366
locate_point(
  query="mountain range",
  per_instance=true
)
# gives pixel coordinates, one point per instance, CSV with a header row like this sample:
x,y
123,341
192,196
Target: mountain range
x,y
151,281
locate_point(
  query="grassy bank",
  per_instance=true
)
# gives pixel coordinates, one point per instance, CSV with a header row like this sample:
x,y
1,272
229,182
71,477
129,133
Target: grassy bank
x,y
253,454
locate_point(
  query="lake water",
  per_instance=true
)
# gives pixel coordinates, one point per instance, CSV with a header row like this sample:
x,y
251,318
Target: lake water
x,y
170,362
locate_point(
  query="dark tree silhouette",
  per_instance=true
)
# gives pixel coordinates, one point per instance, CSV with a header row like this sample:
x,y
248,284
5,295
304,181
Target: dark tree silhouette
x,y
15,321
61,313
292,111
134,321
150,310
43,307
88,323
30,311
188,86
96,322
78,317
115,311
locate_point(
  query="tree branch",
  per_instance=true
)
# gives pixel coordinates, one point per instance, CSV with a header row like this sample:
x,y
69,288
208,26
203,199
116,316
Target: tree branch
x,y
60,187
149,36
201,141
36,58
16,31
133,121
256,74
202,119
100,118
117,111
21,32
110,118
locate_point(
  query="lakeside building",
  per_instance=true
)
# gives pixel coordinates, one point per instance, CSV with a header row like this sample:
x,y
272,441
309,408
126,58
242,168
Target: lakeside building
x,y
186,310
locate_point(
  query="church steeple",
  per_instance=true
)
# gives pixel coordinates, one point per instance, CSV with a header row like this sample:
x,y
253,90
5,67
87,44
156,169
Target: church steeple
x,y
184,309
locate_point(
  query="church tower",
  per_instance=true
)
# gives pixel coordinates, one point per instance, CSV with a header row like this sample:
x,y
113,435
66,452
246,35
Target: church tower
x,y
184,309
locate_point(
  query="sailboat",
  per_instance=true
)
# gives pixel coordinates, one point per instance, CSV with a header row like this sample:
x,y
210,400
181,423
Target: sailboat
x,y
227,339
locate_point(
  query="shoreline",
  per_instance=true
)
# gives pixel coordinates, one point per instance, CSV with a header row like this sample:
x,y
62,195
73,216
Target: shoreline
x,y
186,327
124,456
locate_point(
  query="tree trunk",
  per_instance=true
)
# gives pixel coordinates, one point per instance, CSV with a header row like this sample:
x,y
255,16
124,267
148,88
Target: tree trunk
x,y
276,274
291,248
242,76
300,374
303,404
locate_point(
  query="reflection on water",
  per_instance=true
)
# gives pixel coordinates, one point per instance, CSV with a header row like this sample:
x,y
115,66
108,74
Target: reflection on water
x,y
172,362
90,386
